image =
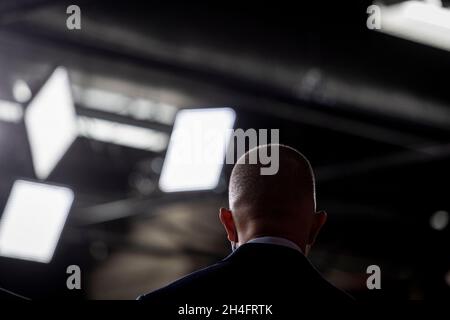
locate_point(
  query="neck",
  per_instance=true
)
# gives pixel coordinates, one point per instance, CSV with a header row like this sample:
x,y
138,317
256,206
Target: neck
x,y
256,231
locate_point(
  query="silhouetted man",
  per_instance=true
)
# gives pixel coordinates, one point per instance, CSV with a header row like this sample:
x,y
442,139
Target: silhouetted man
x,y
271,224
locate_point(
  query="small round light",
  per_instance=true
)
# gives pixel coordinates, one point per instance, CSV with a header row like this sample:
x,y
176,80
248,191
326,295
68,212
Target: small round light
x,y
447,278
21,91
439,220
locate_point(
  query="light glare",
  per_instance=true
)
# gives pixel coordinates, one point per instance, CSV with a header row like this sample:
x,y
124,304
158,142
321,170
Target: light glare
x,y
417,21
33,220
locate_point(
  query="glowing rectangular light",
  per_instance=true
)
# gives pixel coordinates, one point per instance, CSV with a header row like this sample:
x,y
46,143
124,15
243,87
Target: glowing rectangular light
x,y
33,220
197,149
417,21
51,123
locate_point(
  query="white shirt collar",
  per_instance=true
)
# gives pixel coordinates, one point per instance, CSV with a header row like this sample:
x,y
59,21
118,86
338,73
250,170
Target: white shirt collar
x,y
277,241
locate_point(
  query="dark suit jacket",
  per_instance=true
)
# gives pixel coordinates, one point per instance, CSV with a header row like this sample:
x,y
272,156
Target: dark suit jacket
x,y
254,274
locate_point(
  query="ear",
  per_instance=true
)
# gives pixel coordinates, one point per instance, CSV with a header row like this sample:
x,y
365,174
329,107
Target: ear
x,y
319,219
226,217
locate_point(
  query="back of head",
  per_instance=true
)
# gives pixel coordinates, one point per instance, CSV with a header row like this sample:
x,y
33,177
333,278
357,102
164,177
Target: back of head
x,y
281,196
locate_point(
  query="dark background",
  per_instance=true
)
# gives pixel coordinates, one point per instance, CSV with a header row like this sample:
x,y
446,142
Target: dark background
x,y
369,110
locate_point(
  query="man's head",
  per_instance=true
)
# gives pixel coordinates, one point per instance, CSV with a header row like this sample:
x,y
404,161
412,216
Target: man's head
x,y
281,205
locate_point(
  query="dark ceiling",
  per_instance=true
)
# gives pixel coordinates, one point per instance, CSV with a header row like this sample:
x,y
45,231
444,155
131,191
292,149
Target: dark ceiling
x,y
372,112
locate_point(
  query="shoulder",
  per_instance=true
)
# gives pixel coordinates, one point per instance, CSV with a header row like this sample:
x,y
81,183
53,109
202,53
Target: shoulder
x,y
327,291
193,281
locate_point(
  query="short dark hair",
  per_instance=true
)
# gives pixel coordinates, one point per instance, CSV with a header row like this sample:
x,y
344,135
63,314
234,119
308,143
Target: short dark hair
x,y
293,184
